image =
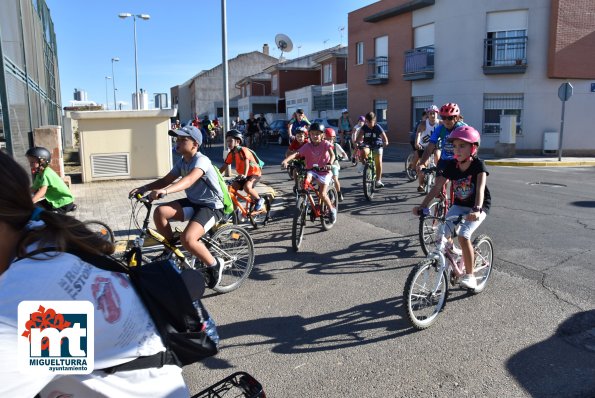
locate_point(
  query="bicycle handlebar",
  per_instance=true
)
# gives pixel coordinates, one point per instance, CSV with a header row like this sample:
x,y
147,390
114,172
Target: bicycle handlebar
x,y
429,170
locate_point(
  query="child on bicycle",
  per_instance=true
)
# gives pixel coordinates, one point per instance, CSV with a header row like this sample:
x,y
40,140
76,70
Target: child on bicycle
x,y
301,137
330,135
374,139
319,156
424,131
355,157
472,197
203,205
48,189
247,166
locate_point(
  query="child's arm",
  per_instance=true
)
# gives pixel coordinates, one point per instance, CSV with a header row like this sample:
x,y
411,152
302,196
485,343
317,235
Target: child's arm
x,y
332,153
481,184
384,139
40,194
340,151
288,158
440,181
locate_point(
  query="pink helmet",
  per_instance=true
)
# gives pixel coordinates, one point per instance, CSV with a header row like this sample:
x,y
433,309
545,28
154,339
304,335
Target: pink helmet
x,y
450,109
329,133
432,108
467,134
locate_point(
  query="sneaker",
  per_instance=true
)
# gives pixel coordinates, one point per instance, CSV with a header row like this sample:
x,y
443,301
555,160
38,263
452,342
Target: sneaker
x,y
379,184
213,273
340,194
421,188
333,215
468,281
259,204
360,168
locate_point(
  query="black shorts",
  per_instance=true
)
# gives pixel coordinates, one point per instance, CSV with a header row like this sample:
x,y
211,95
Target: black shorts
x,y
205,216
420,152
243,181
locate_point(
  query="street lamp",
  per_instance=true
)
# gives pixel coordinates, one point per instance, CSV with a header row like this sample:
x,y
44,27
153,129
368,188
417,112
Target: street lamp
x,y
125,15
106,102
114,59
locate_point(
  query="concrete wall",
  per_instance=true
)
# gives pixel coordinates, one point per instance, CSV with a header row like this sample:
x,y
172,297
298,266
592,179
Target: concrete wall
x,y
459,76
141,134
50,137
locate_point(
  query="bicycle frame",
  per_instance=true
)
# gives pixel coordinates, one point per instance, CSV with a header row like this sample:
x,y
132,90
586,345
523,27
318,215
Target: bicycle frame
x,y
308,187
236,197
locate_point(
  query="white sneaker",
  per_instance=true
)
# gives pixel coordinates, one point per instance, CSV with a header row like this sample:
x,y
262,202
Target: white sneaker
x,y
360,168
468,281
379,184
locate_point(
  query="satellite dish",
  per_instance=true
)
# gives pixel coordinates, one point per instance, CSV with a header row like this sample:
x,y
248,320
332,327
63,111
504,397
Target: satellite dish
x,y
284,43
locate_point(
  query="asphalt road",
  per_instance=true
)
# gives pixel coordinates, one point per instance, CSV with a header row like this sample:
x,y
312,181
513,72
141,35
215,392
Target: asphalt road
x,y
329,321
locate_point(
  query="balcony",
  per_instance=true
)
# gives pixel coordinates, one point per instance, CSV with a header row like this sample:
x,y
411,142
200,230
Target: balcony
x,y
505,55
377,70
419,63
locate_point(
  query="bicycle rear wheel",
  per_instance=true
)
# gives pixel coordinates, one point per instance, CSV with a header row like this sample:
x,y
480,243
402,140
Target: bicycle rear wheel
x,y
484,260
299,223
101,229
411,173
423,304
261,217
368,181
325,219
234,245
428,226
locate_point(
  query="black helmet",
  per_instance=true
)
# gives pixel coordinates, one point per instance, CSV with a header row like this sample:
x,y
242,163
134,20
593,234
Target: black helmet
x,y
317,127
235,134
40,153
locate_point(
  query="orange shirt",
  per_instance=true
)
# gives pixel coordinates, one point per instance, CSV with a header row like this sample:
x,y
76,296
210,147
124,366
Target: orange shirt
x,y
240,156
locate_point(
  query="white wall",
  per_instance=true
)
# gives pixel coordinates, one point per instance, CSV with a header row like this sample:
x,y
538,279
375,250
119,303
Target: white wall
x,y
460,27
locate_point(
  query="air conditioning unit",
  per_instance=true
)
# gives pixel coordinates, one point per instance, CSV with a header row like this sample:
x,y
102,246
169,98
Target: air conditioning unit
x,y
550,142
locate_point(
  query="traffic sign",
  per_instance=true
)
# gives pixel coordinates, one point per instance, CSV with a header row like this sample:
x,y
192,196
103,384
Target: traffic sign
x,y
565,91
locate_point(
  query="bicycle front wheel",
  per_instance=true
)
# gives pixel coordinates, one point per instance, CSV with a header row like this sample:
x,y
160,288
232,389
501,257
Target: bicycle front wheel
x,y
234,245
325,218
423,300
261,217
428,226
299,224
411,172
483,248
368,181
101,229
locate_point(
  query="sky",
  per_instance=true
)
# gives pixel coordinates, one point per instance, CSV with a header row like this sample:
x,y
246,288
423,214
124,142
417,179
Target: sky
x,y
181,38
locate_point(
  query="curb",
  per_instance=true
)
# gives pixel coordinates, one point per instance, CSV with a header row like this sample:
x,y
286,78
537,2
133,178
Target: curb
x,y
586,163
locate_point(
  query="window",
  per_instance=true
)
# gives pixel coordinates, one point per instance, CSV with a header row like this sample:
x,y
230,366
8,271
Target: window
x,y
327,71
506,35
359,53
275,82
381,51
496,105
248,91
380,108
420,104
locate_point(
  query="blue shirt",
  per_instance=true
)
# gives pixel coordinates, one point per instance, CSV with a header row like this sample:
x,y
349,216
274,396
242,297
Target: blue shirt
x,y
438,138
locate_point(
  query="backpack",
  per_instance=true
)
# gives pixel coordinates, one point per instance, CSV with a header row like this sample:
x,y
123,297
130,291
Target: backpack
x,y
227,202
243,157
172,298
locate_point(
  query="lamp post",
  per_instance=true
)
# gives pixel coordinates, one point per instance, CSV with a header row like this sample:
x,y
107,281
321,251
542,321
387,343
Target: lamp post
x,y
106,101
125,15
114,59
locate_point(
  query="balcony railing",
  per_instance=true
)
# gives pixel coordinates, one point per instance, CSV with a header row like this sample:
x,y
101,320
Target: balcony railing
x,y
377,70
419,63
505,55
330,101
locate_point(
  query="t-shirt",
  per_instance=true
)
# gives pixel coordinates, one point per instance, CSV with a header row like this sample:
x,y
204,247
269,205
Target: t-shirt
x,y
438,138
201,193
316,154
251,126
123,331
426,134
372,136
344,123
296,125
465,183
294,145
57,193
239,155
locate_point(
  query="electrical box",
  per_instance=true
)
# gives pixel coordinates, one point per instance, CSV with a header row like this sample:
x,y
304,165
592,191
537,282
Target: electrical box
x,y
550,142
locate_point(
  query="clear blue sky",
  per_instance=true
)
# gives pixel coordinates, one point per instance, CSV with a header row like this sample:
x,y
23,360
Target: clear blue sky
x,y
182,38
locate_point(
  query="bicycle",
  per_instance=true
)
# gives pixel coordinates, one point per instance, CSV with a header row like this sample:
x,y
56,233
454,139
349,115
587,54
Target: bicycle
x,y
369,176
308,206
101,229
427,285
430,175
410,172
246,210
231,243
238,384
428,226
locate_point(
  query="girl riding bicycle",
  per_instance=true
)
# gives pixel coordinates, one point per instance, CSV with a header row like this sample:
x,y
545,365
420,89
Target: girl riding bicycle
x,y
468,175
330,136
319,156
374,139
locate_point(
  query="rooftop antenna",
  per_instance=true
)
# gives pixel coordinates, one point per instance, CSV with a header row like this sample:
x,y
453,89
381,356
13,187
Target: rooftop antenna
x,y
299,50
324,42
284,44
341,29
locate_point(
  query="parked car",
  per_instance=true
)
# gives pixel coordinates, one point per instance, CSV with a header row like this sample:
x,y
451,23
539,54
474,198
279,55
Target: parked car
x,y
333,123
279,132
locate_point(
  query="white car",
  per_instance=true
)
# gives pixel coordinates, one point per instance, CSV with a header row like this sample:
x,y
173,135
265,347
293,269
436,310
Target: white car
x,y
333,123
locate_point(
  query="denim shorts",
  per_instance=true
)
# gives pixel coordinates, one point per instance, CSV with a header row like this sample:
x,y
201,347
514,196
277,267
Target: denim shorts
x,y
466,227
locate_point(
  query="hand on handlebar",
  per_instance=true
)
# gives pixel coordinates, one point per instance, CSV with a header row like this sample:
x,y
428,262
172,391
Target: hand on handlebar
x,y
136,191
421,211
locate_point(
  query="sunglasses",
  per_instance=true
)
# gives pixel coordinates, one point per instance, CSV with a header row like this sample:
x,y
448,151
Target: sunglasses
x,y
448,117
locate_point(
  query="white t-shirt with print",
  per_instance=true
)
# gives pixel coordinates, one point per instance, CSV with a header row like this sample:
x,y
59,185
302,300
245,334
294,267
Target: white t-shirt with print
x,y
123,332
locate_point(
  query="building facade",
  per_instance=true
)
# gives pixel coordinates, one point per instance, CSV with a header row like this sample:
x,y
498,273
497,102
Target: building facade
x,y
492,58
29,80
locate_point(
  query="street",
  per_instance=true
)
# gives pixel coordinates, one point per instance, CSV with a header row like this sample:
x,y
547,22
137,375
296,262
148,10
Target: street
x,y
329,320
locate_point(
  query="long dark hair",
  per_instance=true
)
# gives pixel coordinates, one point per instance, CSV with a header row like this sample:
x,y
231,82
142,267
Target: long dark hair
x,y
61,231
